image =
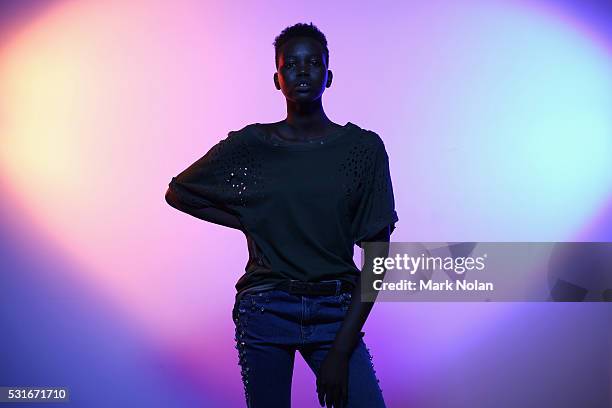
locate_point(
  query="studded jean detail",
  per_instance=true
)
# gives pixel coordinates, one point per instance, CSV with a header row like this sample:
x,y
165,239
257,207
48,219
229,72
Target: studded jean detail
x,y
373,369
240,320
345,300
272,325
246,305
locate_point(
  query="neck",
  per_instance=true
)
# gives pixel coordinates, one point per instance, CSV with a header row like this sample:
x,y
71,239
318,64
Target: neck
x,y
306,117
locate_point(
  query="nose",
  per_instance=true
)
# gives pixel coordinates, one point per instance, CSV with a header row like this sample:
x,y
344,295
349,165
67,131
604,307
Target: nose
x,y
302,69
303,75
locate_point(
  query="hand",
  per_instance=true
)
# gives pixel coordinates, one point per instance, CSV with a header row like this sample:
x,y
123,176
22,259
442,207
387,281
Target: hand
x,y
332,381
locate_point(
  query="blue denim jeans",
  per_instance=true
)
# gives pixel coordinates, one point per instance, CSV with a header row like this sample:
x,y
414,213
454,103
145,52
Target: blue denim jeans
x,y
273,324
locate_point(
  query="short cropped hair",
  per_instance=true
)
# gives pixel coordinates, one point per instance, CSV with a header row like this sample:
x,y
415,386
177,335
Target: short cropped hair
x,y
300,30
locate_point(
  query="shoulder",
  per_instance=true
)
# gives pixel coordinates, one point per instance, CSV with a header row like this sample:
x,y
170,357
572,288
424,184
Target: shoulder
x,y
234,143
369,138
241,135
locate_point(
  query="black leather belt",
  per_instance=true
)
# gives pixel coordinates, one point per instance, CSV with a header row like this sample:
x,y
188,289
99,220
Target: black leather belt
x,y
325,288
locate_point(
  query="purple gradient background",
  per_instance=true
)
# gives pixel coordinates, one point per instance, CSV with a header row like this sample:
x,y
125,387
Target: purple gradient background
x,y
496,117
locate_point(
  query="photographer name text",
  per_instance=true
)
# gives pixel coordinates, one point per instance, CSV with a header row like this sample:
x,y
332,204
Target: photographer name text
x,y
429,285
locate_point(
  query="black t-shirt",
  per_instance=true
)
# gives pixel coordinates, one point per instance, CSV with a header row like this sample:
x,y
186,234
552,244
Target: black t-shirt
x,y
303,205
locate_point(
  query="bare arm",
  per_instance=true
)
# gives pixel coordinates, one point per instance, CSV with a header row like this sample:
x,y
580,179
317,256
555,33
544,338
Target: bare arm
x,y
332,381
358,312
210,214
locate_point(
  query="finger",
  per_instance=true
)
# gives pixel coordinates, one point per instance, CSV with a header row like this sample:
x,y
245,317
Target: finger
x,y
338,397
344,395
333,399
321,395
328,399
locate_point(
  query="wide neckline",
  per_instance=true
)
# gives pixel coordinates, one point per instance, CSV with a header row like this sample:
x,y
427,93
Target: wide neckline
x,y
313,143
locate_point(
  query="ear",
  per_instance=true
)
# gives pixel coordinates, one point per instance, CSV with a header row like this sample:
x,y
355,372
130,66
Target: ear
x,y
276,84
330,77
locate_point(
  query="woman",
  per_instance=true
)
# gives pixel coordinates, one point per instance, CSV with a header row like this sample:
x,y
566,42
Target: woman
x,y
303,191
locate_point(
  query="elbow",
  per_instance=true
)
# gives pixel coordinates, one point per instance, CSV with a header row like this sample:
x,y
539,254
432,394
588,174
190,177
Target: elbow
x,y
171,198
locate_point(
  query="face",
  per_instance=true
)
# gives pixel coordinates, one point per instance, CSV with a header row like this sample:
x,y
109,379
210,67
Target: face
x,y
301,60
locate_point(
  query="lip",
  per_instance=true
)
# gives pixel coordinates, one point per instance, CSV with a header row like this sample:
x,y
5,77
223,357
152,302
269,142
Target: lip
x,y
307,87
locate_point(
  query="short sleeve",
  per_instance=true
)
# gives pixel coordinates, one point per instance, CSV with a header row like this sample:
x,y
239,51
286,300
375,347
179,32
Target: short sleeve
x,y
202,184
376,208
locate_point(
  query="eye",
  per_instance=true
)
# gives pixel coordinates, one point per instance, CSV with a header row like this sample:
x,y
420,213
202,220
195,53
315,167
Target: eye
x,y
316,62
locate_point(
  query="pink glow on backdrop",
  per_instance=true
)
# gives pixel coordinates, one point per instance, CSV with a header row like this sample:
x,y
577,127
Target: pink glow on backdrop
x,y
102,102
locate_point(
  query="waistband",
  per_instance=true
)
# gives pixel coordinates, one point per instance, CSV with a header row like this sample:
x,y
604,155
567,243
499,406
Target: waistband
x,y
256,289
321,288
296,287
